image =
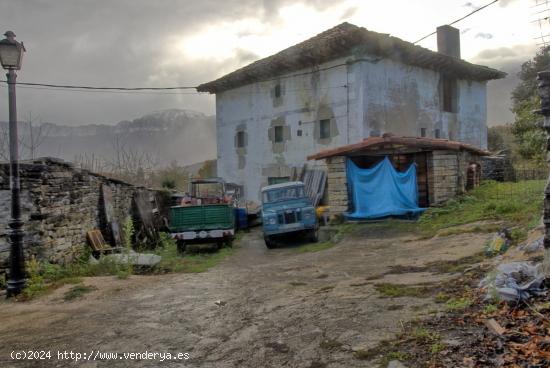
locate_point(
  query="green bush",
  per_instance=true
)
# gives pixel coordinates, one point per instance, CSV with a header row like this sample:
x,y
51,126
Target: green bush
x,y
168,183
128,232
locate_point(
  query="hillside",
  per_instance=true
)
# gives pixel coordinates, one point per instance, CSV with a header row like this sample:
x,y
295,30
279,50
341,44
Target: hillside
x,y
184,136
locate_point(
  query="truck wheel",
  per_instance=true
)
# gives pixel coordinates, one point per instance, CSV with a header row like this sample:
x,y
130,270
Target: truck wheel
x,y
180,244
269,243
229,243
314,235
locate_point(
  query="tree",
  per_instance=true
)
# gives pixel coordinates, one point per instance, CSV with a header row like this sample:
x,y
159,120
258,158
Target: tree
x,y
526,128
208,169
31,137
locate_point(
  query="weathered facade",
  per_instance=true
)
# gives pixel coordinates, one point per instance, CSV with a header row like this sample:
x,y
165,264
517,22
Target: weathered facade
x,y
60,204
338,88
444,168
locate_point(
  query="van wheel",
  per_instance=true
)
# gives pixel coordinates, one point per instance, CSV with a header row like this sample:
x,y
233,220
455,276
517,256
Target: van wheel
x,y
314,235
269,243
180,244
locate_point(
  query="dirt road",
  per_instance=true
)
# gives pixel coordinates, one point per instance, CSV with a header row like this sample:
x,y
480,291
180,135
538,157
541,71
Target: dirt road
x,y
280,308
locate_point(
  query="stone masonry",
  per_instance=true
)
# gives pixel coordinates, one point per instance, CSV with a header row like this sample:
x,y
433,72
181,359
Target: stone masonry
x,y
60,204
447,174
337,185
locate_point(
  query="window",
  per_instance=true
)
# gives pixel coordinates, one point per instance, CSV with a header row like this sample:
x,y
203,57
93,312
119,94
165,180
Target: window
x,y
279,136
277,179
448,94
299,132
437,133
240,139
422,132
283,194
277,91
324,128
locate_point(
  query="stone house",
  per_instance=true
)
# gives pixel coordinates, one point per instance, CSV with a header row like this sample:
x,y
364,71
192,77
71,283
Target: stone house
x,y
444,168
338,88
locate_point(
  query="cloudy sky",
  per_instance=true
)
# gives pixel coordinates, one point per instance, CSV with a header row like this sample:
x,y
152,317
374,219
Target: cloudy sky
x,y
134,43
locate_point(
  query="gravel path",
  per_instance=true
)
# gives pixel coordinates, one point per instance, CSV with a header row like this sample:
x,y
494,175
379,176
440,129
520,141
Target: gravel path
x,y
279,308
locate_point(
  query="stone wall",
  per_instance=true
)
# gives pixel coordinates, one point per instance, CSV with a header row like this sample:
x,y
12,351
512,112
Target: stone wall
x,y
447,174
337,185
59,204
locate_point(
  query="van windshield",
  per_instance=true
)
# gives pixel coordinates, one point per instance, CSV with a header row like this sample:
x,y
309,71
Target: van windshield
x,y
283,194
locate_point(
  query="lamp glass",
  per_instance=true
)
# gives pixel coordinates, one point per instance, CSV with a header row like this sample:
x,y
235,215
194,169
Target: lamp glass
x,y
11,55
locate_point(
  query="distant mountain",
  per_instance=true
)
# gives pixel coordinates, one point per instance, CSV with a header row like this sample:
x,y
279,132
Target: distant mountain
x,y
183,136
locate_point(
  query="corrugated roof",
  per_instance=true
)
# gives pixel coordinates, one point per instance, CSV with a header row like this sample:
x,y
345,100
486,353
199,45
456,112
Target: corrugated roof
x,y
345,40
414,142
282,185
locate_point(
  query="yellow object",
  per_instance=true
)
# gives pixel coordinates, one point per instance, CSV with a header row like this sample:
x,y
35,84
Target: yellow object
x,y
319,211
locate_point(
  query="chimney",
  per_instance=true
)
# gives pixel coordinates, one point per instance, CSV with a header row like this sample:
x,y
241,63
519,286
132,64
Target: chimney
x,y
448,41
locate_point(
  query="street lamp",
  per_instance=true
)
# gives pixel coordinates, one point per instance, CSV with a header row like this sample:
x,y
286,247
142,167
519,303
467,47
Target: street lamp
x,y
11,56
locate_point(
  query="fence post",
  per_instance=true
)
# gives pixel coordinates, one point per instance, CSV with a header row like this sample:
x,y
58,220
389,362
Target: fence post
x,y
543,79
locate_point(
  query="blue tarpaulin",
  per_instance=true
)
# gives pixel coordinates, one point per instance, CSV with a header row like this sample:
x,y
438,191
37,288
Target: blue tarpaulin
x,y
382,191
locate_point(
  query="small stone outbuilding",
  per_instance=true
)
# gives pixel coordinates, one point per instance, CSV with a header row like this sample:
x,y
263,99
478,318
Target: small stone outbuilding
x,y
444,168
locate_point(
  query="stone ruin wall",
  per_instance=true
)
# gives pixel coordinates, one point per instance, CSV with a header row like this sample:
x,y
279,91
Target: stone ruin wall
x,y
59,205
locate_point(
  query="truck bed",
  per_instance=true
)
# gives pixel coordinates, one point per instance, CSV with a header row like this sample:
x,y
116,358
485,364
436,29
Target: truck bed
x,y
203,217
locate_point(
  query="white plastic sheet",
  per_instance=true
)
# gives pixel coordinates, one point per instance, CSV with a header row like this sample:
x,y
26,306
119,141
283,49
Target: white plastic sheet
x,y
515,281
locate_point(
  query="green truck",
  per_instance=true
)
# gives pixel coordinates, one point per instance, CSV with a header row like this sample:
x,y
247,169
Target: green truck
x,y
205,215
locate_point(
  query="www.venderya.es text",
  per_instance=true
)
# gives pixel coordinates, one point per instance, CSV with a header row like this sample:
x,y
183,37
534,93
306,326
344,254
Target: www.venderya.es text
x,y
96,355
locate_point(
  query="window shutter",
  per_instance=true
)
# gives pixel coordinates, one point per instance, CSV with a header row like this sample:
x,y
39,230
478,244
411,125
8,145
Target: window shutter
x,y
286,133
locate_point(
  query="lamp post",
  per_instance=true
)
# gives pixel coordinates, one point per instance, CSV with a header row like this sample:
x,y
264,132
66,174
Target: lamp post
x,y
11,56
543,79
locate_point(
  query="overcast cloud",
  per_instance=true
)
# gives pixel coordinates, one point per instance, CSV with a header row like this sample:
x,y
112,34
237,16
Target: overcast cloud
x,y
175,43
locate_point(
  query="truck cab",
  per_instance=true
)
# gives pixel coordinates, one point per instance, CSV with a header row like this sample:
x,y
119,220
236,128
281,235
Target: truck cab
x,y
286,209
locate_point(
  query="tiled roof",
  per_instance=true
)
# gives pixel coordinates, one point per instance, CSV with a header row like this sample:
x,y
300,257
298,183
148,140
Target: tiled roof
x,y
346,40
371,143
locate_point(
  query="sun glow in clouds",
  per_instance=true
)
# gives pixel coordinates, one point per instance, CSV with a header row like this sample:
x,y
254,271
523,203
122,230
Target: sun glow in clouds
x,y
223,41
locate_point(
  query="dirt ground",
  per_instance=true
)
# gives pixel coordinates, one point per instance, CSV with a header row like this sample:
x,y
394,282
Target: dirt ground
x,y
279,308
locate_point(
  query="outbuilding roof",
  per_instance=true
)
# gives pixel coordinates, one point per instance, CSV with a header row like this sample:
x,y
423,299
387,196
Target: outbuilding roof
x,y
389,141
345,40
282,185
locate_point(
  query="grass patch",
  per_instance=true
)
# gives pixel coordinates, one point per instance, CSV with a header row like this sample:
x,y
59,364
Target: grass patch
x,y
423,334
393,355
389,290
441,297
77,291
44,277
517,203
491,228
173,261
455,266
437,347
458,304
490,308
